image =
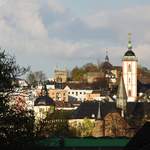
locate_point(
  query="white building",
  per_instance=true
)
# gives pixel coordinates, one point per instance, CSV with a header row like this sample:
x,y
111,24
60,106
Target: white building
x,y
42,106
129,64
78,94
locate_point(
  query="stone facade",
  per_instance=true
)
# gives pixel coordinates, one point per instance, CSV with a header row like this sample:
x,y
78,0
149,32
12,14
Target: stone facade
x,y
112,125
60,76
98,130
58,94
115,125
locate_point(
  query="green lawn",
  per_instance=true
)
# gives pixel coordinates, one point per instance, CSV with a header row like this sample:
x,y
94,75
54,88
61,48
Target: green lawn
x,y
85,142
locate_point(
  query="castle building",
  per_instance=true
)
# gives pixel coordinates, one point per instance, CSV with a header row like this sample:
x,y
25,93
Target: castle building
x,y
129,64
60,76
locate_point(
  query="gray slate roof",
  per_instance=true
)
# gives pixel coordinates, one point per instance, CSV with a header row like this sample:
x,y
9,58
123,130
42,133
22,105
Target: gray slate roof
x,y
44,101
87,109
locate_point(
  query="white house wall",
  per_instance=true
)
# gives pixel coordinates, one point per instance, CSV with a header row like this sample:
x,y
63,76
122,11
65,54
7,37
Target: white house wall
x,y
78,94
130,79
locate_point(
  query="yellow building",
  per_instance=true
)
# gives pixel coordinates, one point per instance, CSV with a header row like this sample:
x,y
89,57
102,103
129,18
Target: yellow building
x,y
95,95
58,94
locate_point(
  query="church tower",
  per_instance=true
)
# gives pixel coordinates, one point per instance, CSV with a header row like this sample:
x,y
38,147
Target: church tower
x,y
129,64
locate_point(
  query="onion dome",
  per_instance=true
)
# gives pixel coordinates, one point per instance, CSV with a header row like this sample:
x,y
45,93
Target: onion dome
x,y
129,55
106,65
129,52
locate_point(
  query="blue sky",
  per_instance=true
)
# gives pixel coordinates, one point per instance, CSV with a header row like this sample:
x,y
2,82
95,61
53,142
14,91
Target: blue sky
x,y
46,34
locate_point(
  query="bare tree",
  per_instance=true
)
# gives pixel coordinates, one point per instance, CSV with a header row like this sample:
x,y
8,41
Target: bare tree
x,y
35,78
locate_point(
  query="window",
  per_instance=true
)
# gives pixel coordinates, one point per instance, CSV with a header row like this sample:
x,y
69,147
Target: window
x,y
129,92
129,68
129,80
72,92
80,92
76,93
48,109
41,109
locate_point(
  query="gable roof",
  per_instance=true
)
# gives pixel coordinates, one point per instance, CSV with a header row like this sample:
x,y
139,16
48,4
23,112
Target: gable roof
x,y
87,109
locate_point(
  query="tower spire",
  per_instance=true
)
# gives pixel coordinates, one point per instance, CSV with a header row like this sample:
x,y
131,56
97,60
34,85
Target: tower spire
x,y
129,41
106,58
99,116
44,90
121,95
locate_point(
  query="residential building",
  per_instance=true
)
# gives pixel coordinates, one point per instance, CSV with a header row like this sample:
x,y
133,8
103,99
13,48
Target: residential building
x,y
42,106
58,94
96,95
116,71
77,94
60,105
110,119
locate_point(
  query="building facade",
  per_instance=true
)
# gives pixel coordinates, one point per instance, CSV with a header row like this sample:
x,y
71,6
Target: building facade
x,y
77,94
60,76
58,94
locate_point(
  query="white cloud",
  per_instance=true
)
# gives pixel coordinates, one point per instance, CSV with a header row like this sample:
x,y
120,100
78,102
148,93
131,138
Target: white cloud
x,y
98,20
121,21
3,2
55,6
22,28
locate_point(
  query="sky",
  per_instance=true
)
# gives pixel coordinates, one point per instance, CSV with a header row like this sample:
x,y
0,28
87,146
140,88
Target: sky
x,y
50,34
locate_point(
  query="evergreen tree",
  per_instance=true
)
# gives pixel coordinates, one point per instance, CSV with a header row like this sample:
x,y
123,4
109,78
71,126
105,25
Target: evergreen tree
x,y
13,124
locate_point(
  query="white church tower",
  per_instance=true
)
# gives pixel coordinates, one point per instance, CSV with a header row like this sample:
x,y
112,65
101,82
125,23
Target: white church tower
x,y
129,64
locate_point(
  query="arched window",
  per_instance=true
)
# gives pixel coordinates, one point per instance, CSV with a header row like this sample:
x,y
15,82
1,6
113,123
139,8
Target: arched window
x,y
129,80
129,68
129,92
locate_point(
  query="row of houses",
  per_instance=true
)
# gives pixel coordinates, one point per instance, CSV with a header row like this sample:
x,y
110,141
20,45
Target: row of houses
x,y
71,93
